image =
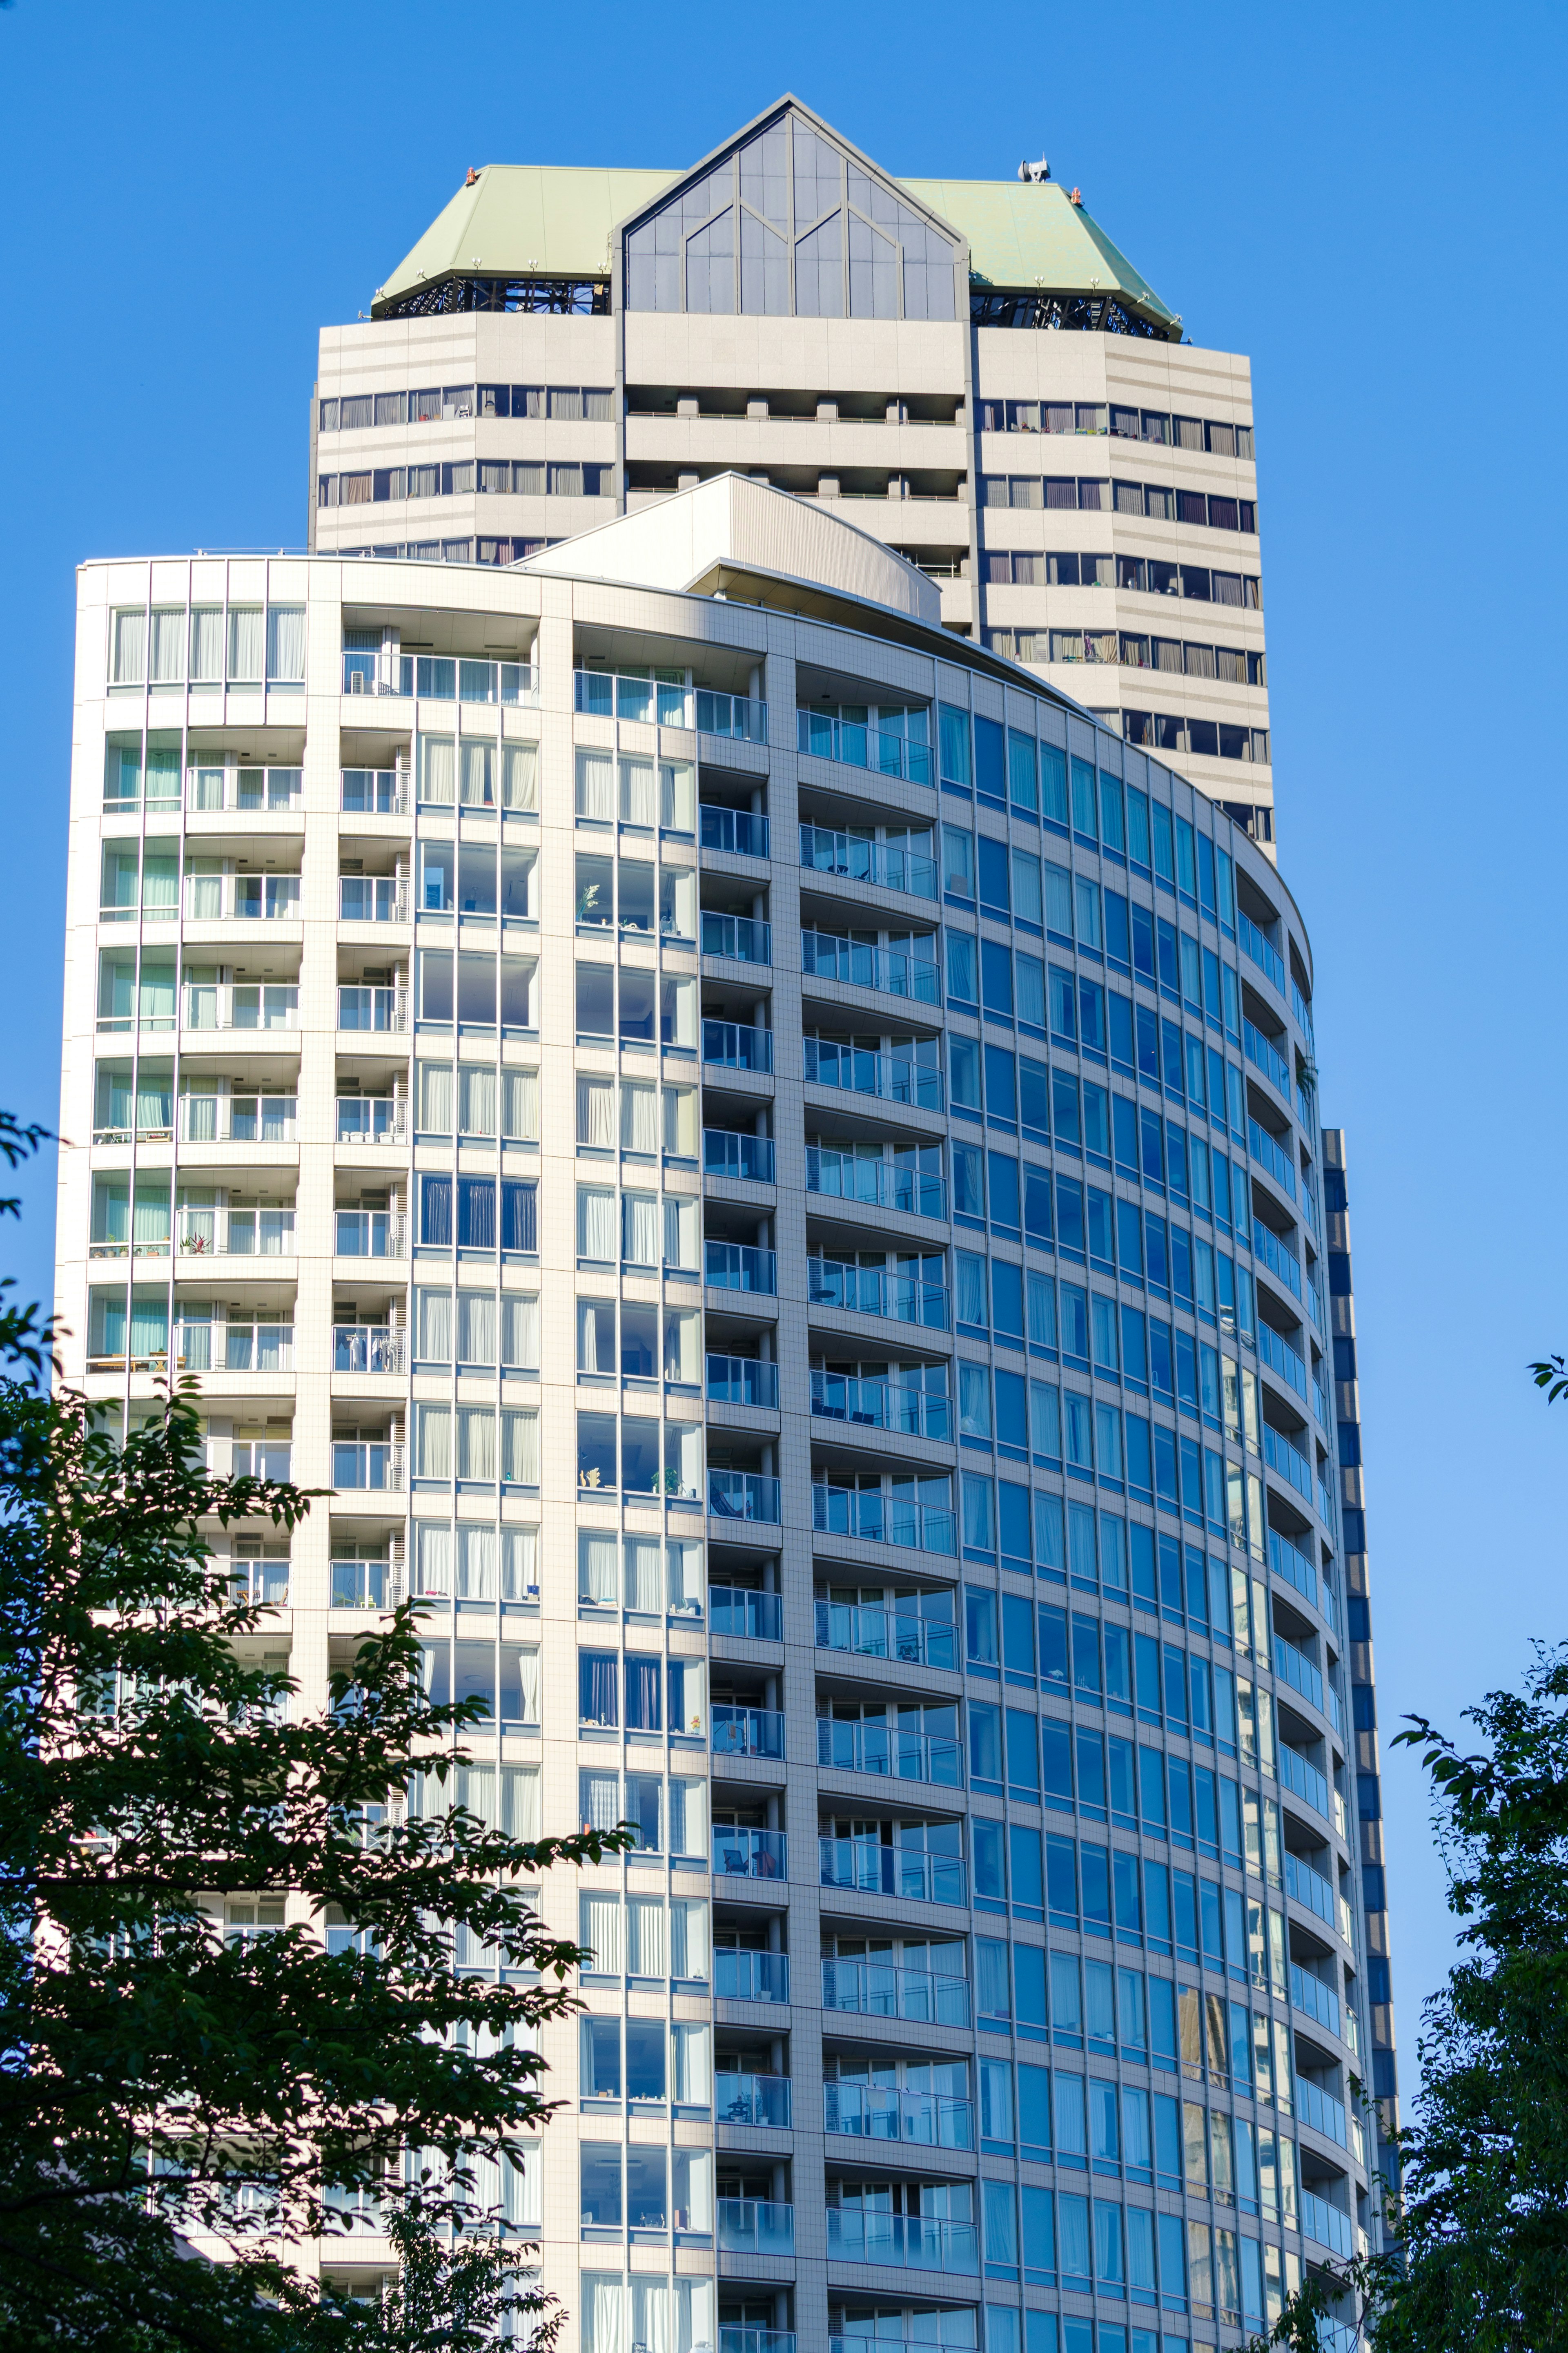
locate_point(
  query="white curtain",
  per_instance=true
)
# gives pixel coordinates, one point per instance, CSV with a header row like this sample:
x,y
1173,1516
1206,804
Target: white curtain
x,y
286,643
435,1326
694,2068
639,1228
647,1947
677,796
475,1441
519,1800
597,1567
437,766
527,1665
595,786
596,1113
519,1106
206,644
599,1928
520,1335
246,644
476,1792
604,2300
520,1447
595,1222
639,1118
685,1562
518,1563
689,1937
169,645
436,1098
433,1443
475,1100
638,805
687,1817
681,1011
477,1564
520,775
520,2190
476,1327
600,1800
683,1456
695,2330
650,2315
130,649
433,1558
680,1121
478,774
679,1231
643,1579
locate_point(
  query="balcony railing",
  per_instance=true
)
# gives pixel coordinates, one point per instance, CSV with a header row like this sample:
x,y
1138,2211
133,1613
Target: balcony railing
x,y
881,1405
243,1005
234,1347
748,1731
741,1609
367,1463
440,678
853,1747
891,1870
746,939
368,1348
1291,1465
1268,1155
1267,1056
1268,1246
733,1046
824,851
217,787
1282,1358
1313,1999
375,792
1294,1567
876,1290
726,1153
1262,951
367,1584
878,1517
604,694
1304,1781
832,1062
234,1233
384,1009
740,833
876,1990
1293,1667
1311,1888
752,2100
373,1119
750,1854
1321,2111
237,1119
372,1233
242,898
739,1266
854,746
1326,2225
741,1975
735,2338
264,1583
883,2113
880,1184
755,2226
742,1380
867,1633
372,899
912,2241
744,1495
826,956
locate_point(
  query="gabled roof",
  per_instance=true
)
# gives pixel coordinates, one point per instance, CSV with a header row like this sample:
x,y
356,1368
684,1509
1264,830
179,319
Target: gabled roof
x,y
1029,234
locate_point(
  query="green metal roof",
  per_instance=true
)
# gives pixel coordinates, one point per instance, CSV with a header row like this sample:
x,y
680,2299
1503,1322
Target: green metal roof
x,y
1023,233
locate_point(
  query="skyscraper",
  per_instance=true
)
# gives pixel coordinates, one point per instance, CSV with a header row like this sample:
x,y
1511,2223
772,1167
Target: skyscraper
x,y
770,1160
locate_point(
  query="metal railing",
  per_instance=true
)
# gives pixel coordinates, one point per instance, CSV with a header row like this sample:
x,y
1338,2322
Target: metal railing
x,y
733,1046
237,1119
744,1495
877,1990
742,1380
855,745
740,833
868,1632
750,1854
372,1233
911,2241
726,1152
373,1119
878,1517
743,1609
830,1062
1268,1246
881,1405
752,2099
745,939
881,1183
1262,950
876,1290
367,1584
1268,1155
748,1731
1267,1056
743,1976
367,1463
385,1009
884,2113
755,2226
880,1870
234,1347
827,955
740,1266
242,1004
853,1746
824,851
368,1347
375,792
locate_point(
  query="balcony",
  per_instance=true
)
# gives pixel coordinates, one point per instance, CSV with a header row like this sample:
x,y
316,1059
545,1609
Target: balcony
x,y
658,703
751,1854
911,2241
373,1119
824,956
1313,1999
372,899
879,1183
740,1976
852,746
876,1990
234,1347
368,1348
374,792
1294,1567
1293,1667
755,2226
237,1119
881,1405
876,1516
885,1749
742,1380
1268,1155
1280,1260
743,938
741,1609
1281,1358
748,1158
731,1046
1325,2223
875,1869
367,1464
1291,1465
748,1732
876,1290
440,678
866,1633
1321,2111
744,1495
858,1070
1304,1781
371,1233
239,1006
1311,1888
233,1233
823,851
1262,951
735,2338
242,898
1265,1056
366,1585
922,2119
738,1266
739,833
208,790
264,1584
752,2100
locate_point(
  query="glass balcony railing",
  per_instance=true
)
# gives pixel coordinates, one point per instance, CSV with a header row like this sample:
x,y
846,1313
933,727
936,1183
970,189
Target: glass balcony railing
x,y
373,1119
880,1184
867,1633
375,792
1311,1888
881,1405
883,2113
1326,2225
664,702
1294,1567
1262,950
745,939
857,746
384,1009
440,678
232,1233
219,788
1265,1056
234,1347
876,1990
739,833
1268,1246
372,1233
752,2100
366,1585
252,1458
739,1266
748,1731
827,956
726,1153
1291,1465
1282,1358
743,1609
1321,2111
237,1119
372,899
886,1749
750,1854
742,1380
755,2226
1313,1999
910,2242
744,1495
367,1464
263,1583
368,1348
1304,1781
824,851
879,1869
735,2338
242,898
834,1062
733,1046
1268,1155
876,1290
740,1976
878,1517
240,1005
1293,1667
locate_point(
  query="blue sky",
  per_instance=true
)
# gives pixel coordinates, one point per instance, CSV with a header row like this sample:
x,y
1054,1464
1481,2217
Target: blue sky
x,y
1369,201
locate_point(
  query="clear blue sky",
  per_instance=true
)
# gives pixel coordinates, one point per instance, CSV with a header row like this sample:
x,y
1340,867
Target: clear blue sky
x,y
1368,200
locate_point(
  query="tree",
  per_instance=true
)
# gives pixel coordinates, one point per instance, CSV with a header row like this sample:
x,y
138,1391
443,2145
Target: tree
x,y
170,2094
